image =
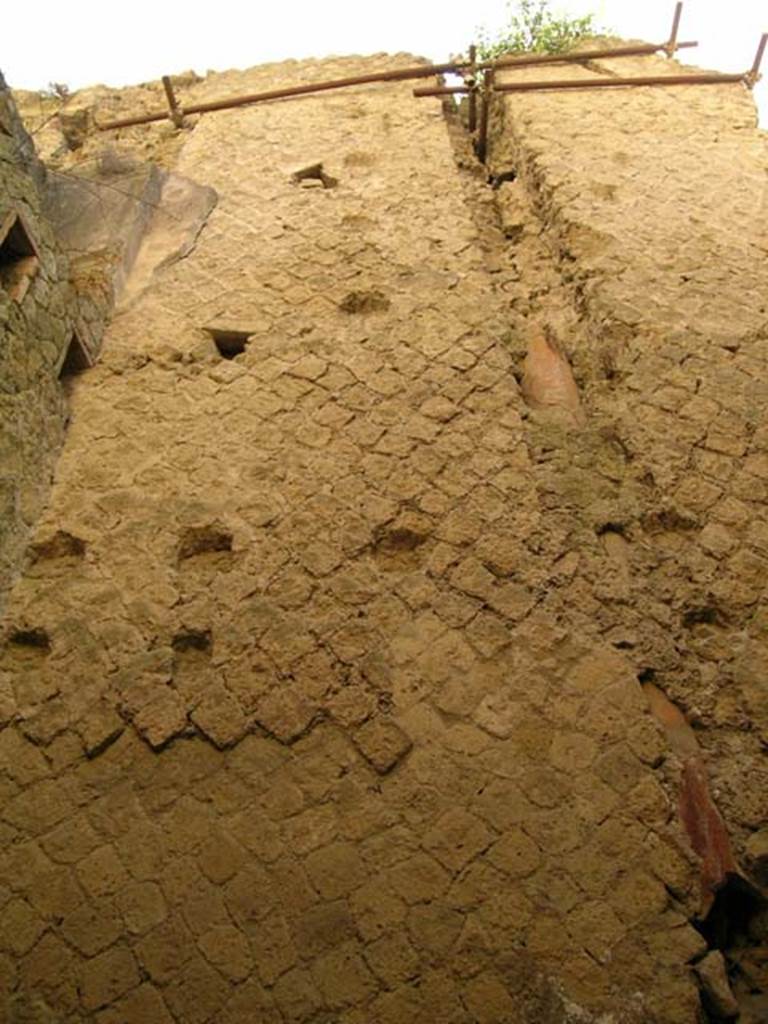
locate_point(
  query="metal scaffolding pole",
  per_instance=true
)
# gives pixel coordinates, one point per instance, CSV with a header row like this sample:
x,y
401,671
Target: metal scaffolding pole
x,y
397,75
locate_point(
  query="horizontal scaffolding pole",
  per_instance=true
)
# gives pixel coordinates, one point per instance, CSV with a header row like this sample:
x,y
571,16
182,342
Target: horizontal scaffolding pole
x,y
589,83
443,90
748,78
638,50
397,75
611,83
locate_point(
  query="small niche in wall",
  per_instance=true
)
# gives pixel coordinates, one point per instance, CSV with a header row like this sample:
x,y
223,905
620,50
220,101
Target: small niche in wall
x,y
313,176
77,358
19,258
30,639
230,343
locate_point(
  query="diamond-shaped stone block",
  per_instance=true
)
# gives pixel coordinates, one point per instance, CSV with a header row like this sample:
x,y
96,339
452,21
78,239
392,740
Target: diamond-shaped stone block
x,y
382,743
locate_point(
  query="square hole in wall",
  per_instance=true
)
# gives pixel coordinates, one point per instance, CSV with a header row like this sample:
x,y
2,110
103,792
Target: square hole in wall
x,y
19,258
230,343
77,358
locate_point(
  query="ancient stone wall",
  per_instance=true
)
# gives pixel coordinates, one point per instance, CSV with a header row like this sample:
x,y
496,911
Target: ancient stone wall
x,y
652,205
89,231
35,327
323,699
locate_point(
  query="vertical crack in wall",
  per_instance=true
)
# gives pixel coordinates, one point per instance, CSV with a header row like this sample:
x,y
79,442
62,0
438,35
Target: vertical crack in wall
x,y
655,596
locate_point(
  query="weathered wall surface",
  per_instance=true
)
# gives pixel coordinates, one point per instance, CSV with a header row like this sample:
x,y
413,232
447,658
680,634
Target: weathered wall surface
x,y
654,210
34,334
96,224
331,712
651,207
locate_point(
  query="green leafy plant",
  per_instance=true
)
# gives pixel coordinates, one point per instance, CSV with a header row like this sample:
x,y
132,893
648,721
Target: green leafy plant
x,y
534,28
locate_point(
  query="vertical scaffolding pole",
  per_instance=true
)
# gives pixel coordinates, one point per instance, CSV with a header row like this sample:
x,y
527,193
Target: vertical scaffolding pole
x,y
753,75
472,83
671,46
482,142
174,111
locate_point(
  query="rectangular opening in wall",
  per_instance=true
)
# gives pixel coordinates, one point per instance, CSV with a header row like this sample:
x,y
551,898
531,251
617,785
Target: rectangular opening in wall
x,y
77,358
19,258
230,343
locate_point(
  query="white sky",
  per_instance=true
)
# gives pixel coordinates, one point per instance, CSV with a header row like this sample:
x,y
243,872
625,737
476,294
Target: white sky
x,y
82,42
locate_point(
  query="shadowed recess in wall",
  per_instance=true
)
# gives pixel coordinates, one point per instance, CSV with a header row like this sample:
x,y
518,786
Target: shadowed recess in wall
x,y
19,259
32,639
373,301
313,176
192,649
229,342
397,547
733,976
192,641
77,358
204,540
61,544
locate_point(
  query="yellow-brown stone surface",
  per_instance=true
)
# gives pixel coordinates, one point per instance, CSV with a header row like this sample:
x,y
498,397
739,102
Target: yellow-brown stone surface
x,y
321,694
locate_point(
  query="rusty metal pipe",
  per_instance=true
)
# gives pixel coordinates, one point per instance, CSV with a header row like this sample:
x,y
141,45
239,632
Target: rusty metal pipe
x,y
401,74
173,106
753,74
505,63
608,83
472,112
672,44
530,60
398,75
482,140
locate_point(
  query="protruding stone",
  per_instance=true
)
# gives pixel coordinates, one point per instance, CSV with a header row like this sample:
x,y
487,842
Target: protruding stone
x,y
309,367
457,837
515,853
106,977
382,743
681,736
498,713
548,385
220,716
162,719
713,978
7,699
439,408
99,728
75,125
312,175
227,949
286,714
756,850
373,301
706,831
